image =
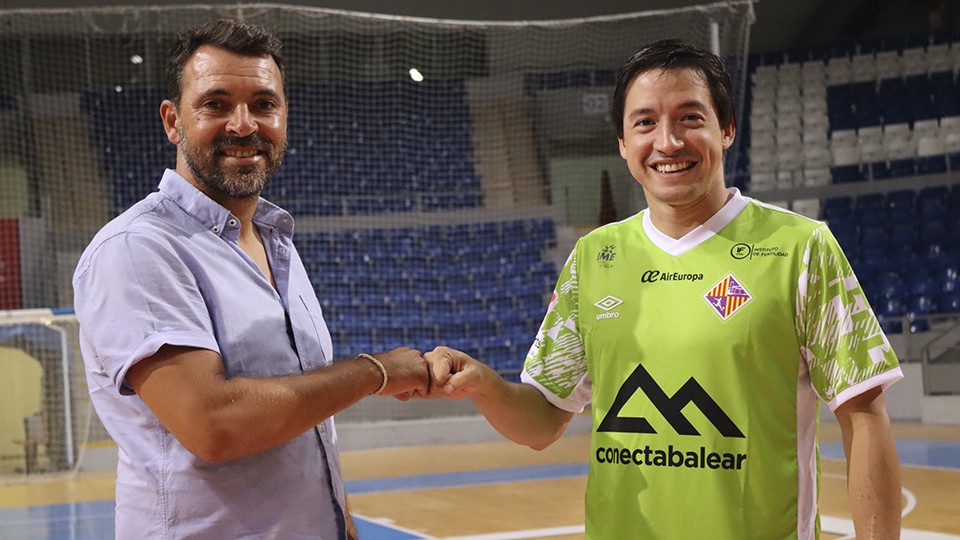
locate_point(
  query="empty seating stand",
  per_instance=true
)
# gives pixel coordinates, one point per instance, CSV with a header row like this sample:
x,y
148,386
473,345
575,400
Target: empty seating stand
x,y
480,287
905,248
352,148
866,111
874,114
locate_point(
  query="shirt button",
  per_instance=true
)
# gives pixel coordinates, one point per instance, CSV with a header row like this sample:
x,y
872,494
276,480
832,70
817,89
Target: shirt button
x,y
232,222
323,427
215,229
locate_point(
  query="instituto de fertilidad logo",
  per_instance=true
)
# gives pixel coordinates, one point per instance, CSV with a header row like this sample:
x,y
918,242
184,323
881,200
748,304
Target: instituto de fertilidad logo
x,y
727,297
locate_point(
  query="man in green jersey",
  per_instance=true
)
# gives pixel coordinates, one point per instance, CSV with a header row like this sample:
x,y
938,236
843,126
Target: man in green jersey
x,y
703,332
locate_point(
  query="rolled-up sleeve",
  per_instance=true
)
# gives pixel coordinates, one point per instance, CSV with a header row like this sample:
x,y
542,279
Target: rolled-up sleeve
x,y
133,295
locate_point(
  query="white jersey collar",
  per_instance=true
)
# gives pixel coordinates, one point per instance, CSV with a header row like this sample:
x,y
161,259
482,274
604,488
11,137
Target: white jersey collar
x,y
697,236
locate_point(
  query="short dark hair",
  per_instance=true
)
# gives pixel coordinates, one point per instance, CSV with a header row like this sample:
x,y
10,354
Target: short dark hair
x,y
230,34
670,54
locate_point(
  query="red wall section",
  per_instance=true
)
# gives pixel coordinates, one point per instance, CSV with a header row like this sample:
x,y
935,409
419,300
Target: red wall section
x,y
9,265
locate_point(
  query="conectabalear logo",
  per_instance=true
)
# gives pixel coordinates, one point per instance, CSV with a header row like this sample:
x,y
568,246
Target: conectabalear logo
x,y
671,409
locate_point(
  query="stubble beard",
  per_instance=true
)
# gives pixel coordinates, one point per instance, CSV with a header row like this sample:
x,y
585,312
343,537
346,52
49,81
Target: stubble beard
x,y
242,183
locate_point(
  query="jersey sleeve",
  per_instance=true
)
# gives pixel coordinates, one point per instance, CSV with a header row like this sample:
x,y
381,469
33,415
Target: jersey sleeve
x,y
557,364
844,348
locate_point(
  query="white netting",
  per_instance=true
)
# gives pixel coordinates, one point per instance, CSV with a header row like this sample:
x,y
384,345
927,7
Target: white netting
x,y
430,211
45,413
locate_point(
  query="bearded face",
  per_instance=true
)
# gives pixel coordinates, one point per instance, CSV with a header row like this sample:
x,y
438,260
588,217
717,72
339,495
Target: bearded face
x,y
230,126
214,166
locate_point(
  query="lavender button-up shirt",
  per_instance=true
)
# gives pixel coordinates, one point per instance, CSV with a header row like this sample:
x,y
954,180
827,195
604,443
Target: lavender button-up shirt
x,y
170,271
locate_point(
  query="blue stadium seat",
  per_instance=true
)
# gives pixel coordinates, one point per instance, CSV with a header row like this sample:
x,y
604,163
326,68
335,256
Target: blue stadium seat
x,y
874,236
952,241
843,174
869,204
932,201
931,165
837,207
888,282
900,203
918,311
905,237
953,199
944,89
948,302
889,312
933,231
894,168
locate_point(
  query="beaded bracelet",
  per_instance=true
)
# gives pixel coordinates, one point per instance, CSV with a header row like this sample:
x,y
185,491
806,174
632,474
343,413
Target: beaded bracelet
x,y
383,370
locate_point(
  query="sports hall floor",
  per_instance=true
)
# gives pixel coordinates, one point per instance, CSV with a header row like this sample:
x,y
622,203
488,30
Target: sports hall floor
x,y
500,491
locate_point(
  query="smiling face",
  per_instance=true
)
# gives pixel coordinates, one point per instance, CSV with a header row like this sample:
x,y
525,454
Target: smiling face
x,y
231,126
673,142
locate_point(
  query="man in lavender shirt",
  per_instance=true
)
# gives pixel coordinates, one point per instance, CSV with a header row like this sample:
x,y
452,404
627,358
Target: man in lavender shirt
x,y
208,359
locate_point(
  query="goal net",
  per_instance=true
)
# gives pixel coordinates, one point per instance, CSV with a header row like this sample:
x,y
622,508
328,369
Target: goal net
x,y
438,170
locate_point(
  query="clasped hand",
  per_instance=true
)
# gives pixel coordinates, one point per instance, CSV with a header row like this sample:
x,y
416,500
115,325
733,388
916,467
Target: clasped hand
x,y
442,372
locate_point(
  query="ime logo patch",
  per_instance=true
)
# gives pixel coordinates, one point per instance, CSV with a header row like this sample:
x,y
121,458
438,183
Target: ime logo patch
x,y
727,297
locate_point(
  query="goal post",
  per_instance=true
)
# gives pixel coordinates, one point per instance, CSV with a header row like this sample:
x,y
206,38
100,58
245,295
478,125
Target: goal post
x,y
45,412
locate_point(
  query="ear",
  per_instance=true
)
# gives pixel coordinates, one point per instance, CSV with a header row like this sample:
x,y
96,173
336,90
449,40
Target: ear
x,y
170,117
728,133
623,149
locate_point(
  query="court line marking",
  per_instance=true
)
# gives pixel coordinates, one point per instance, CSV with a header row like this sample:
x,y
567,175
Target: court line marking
x,y
828,524
467,478
912,452
390,524
834,525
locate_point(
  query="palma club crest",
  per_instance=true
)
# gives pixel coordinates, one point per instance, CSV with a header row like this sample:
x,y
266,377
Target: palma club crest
x,y
727,297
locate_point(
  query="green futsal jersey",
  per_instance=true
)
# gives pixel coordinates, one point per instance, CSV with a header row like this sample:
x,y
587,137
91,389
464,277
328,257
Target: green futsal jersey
x,y
702,359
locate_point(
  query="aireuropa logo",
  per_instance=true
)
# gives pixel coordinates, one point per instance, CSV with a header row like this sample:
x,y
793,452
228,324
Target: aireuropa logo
x,y
607,303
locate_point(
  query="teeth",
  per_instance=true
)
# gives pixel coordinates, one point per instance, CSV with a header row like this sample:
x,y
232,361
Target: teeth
x,y
242,153
673,167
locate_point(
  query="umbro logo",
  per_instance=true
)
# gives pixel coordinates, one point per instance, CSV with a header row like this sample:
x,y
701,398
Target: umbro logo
x,y
607,303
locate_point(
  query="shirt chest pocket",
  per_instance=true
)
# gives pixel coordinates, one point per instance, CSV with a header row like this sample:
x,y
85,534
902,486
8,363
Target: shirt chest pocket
x,y
313,342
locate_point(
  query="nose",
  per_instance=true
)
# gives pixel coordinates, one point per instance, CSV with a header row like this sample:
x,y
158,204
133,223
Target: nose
x,y
241,122
669,138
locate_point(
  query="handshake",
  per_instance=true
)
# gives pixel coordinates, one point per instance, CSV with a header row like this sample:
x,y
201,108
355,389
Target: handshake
x,y
442,372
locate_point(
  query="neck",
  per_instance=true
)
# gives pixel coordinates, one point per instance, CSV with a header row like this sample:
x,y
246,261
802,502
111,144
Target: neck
x,y
243,209
676,221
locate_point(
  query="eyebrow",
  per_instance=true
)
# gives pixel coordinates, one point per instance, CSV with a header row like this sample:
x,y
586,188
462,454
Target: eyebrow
x,y
214,92
686,105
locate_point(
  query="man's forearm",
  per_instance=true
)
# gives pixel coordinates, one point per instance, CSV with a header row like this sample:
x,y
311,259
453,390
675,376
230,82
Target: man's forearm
x,y
873,469
520,413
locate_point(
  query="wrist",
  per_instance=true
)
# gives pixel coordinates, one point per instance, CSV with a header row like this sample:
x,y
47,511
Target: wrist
x,y
379,365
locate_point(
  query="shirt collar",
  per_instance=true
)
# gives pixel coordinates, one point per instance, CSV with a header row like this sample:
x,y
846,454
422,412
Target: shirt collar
x,y
734,205
214,217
